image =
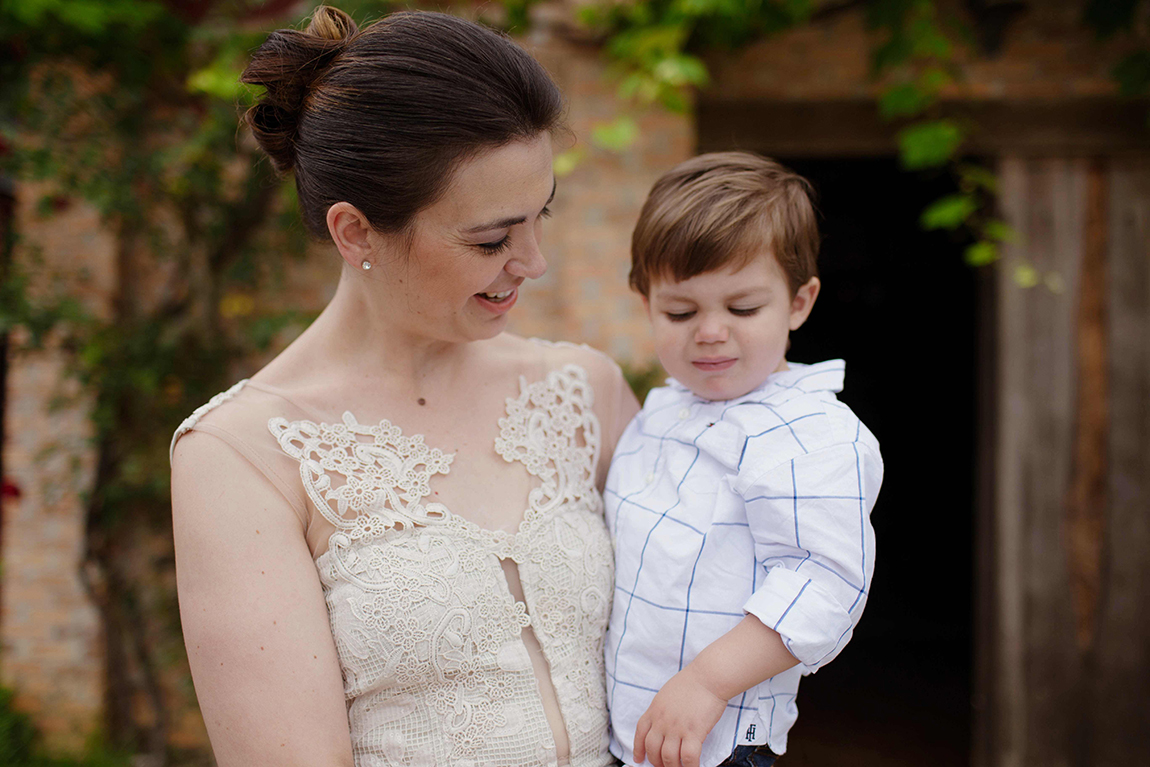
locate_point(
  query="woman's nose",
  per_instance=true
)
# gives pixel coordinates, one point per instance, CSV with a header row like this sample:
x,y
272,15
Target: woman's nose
x,y
529,262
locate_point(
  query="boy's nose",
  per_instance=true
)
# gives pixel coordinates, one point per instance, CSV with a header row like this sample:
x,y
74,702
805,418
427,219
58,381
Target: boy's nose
x,y
711,330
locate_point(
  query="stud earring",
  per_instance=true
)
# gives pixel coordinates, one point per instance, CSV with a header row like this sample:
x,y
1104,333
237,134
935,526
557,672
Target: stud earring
x,y
366,265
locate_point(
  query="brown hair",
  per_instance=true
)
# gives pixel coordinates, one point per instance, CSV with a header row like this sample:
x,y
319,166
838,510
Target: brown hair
x,y
380,117
722,208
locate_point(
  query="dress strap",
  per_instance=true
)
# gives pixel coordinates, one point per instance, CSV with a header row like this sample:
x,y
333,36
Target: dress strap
x,y
191,421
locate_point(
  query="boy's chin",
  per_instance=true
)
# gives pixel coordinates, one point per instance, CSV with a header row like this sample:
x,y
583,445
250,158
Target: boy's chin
x,y
719,390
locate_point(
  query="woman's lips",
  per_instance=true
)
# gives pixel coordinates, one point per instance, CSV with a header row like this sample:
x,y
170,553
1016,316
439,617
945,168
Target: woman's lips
x,y
714,364
498,307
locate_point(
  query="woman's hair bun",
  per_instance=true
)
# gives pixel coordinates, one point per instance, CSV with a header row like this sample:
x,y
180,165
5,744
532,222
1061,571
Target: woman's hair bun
x,y
331,24
286,65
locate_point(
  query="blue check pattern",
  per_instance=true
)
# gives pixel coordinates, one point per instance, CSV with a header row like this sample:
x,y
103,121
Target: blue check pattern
x,y
719,509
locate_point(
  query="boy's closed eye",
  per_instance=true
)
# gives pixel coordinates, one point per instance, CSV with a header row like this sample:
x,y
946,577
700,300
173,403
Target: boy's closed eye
x,y
749,311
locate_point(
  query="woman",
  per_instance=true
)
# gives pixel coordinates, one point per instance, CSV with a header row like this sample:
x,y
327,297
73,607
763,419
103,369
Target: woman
x,y
389,541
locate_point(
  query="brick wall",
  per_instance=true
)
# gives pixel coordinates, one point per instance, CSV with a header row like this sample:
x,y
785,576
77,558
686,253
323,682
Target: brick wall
x,y
50,643
1046,54
49,637
49,630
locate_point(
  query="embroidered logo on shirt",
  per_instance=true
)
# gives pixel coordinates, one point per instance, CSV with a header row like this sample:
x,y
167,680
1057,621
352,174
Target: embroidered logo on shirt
x,y
750,732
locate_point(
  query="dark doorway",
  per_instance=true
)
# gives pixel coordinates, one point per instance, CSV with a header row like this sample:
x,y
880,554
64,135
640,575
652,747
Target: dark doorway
x,y
900,306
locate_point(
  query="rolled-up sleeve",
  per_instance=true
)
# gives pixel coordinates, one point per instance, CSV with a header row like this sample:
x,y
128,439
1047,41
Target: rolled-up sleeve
x,y
810,520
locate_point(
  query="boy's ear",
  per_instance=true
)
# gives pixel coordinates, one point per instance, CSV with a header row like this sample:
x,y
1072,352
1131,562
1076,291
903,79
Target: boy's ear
x,y
803,302
646,305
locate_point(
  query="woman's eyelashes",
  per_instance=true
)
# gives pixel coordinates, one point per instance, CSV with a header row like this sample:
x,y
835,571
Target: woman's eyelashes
x,y
491,248
503,244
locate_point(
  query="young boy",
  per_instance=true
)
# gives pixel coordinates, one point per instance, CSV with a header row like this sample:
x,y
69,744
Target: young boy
x,y
738,499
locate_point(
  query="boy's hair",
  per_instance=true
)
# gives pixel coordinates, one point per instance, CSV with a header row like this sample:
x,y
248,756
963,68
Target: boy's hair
x,y
724,208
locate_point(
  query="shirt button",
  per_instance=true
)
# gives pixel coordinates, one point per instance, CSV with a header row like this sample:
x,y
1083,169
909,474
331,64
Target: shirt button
x,y
684,414
650,478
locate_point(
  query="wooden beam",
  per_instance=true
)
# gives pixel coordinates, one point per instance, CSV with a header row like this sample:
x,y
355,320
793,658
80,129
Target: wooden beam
x,y
1121,673
853,128
1035,656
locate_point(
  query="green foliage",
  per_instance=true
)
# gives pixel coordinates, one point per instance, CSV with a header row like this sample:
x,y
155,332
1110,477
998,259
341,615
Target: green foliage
x,y
656,43
981,253
17,735
949,212
1109,17
20,747
616,135
89,17
132,109
642,378
1133,73
929,144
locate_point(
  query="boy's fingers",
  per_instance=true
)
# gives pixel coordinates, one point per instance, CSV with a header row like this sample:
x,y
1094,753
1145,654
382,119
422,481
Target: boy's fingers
x,y
654,744
690,752
670,752
639,746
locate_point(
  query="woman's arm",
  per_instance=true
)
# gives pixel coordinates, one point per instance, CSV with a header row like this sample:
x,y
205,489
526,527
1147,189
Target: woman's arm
x,y
617,412
254,619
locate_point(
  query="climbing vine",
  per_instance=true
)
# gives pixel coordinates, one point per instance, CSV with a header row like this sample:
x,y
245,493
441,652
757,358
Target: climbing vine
x,y
132,106
659,47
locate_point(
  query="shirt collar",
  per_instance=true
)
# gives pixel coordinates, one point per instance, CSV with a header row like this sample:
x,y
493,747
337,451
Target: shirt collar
x,y
821,376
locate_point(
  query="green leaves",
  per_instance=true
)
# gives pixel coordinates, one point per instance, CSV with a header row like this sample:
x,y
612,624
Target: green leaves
x,y
1132,74
905,100
90,17
617,135
1108,17
981,253
655,42
950,212
929,144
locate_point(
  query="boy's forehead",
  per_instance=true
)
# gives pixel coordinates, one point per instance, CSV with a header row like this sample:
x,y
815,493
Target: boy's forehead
x,y
737,278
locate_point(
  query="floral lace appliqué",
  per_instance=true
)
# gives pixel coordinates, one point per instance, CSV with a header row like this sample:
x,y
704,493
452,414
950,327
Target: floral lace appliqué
x,y
428,634
364,479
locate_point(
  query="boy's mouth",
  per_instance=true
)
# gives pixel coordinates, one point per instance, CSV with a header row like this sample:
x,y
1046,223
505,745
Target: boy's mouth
x,y
714,364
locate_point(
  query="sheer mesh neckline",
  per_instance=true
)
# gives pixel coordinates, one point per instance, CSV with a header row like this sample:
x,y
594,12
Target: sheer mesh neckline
x,y
385,475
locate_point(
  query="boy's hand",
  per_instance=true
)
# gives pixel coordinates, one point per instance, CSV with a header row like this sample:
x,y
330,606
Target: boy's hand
x,y
672,731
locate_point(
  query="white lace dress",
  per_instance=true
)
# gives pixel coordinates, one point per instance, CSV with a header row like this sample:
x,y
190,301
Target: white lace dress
x,y
428,633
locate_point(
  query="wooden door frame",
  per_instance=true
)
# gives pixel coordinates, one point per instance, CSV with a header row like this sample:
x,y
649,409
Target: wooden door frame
x,y
1066,129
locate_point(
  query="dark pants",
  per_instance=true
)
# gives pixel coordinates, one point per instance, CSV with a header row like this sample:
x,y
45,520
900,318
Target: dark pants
x,y
750,756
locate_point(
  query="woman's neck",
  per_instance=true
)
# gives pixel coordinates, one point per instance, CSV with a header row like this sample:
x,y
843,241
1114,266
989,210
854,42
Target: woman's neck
x,y
362,337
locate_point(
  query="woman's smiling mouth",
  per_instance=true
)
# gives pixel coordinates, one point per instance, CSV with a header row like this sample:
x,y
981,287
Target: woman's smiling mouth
x,y
500,302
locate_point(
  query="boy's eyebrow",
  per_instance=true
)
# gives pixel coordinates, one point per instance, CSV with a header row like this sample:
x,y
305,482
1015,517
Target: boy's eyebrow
x,y
507,223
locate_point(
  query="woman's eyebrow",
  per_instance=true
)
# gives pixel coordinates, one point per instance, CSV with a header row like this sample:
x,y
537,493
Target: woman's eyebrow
x,y
503,223
507,223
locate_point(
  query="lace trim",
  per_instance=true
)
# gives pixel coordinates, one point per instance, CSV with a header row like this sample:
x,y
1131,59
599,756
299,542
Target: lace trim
x,y
381,482
367,488
190,422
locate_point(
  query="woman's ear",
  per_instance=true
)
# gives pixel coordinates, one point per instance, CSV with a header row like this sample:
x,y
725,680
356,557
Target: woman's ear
x,y
353,236
803,302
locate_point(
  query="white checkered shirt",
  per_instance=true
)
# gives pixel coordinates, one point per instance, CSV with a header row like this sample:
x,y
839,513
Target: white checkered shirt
x,y
717,509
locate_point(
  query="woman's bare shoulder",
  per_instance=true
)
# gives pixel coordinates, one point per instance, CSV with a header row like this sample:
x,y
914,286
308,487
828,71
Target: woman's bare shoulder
x,y
556,354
